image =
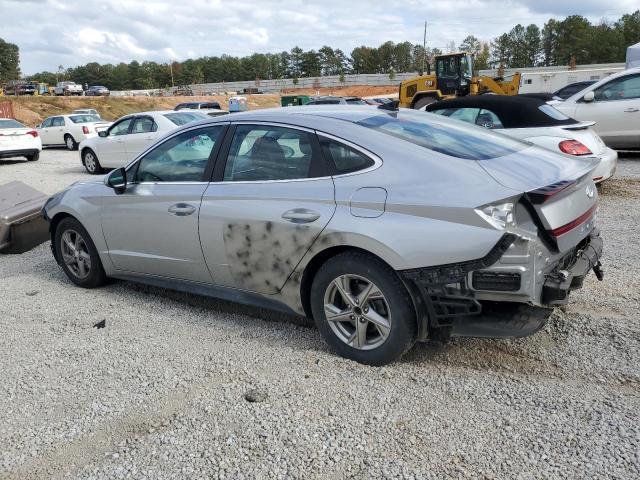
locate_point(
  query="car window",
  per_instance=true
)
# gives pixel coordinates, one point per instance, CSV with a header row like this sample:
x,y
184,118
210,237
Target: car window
x,y
442,135
210,105
622,88
9,123
324,102
260,153
87,118
355,101
57,122
344,159
47,123
468,115
488,119
144,125
120,128
182,158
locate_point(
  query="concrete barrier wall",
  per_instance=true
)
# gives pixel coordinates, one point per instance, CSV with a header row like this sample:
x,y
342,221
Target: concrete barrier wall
x,y
275,86
373,79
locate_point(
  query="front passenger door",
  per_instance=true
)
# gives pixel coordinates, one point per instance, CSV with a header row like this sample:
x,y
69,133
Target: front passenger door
x,y
143,133
152,228
113,151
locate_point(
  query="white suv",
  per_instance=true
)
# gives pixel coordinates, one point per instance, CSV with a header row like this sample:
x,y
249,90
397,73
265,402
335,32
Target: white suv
x,y
614,104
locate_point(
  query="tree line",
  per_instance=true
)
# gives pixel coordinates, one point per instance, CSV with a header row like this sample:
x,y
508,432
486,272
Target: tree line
x,y
559,42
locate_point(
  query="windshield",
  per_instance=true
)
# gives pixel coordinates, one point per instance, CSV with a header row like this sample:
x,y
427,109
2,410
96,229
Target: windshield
x,y
442,135
8,123
84,118
182,118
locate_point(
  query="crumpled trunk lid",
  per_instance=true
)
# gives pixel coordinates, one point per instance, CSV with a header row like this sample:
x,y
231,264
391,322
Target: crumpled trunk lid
x,y
559,188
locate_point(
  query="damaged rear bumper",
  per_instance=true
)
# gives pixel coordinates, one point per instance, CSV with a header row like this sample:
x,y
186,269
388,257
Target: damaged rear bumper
x,y
448,297
569,273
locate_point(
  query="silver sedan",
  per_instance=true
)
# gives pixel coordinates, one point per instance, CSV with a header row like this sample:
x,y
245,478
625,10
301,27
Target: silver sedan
x,y
386,227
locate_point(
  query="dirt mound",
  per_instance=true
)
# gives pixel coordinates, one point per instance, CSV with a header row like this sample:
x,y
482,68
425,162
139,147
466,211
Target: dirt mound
x,y
32,110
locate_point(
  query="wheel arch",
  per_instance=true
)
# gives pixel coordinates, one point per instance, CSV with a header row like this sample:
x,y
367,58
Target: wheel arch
x,y
320,258
53,224
420,95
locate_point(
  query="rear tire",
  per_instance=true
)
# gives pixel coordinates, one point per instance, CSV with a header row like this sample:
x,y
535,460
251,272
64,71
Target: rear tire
x,y
421,103
34,157
78,254
70,142
373,328
90,162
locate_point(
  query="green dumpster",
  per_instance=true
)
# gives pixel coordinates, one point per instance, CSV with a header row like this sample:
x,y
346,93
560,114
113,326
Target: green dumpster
x,y
293,100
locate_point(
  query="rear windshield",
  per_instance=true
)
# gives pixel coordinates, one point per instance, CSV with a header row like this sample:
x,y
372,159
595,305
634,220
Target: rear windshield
x,y
182,118
355,101
445,136
324,102
8,123
84,118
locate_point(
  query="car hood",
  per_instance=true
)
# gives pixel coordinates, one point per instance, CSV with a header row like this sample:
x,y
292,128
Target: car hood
x,y
536,167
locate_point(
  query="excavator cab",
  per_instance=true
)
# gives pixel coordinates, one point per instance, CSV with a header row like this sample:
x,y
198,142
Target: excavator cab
x,y
454,73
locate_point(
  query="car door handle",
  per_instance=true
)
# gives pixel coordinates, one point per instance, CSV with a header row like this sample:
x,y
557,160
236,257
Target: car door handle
x,y
301,215
181,209
632,109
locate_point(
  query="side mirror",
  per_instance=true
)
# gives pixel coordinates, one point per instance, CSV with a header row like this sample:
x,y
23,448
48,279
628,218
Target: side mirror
x,y
117,180
589,96
103,133
38,125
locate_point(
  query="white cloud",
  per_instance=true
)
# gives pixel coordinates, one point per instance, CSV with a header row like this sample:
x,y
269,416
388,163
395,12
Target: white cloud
x,y
75,32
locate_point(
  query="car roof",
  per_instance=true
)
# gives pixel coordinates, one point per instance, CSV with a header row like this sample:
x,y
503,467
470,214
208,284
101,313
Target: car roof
x,y
514,111
623,73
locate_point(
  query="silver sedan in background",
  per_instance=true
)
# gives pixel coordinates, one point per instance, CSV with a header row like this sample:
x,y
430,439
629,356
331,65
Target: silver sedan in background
x,y
386,227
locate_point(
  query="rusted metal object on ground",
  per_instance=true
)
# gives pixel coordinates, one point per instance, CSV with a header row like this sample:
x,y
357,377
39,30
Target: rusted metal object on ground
x,y
22,226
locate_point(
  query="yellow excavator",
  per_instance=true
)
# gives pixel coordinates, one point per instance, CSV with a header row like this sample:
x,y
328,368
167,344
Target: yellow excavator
x,y
453,78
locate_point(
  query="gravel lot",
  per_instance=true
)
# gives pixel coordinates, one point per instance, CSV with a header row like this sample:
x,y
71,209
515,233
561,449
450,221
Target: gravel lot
x,y
160,392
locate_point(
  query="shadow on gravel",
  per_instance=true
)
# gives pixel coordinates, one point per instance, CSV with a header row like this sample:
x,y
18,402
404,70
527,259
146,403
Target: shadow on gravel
x,y
218,305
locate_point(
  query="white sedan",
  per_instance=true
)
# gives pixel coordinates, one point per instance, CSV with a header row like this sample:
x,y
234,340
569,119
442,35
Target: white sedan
x,y
614,104
531,119
129,136
69,130
16,140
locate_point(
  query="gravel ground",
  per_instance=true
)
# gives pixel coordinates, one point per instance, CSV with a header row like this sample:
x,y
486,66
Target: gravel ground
x,y
176,386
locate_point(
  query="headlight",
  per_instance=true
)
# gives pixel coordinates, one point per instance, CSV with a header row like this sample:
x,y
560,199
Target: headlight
x,y
500,216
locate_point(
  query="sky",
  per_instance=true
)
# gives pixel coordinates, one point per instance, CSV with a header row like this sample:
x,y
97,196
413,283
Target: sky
x,y
75,32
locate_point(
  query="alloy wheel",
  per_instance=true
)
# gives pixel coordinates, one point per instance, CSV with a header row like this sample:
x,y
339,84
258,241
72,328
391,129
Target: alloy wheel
x,y
75,254
357,312
90,162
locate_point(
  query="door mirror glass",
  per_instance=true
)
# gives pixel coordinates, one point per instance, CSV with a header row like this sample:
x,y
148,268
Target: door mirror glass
x,y
38,125
117,180
103,133
589,96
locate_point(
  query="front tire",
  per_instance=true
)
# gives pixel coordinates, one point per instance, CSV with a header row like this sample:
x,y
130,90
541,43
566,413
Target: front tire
x,y
90,162
33,157
362,309
70,142
78,255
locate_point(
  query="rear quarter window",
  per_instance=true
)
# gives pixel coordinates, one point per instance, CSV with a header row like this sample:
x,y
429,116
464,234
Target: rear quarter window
x,y
343,159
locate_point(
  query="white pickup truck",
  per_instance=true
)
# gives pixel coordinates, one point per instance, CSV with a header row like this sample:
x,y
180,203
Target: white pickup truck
x,y
68,88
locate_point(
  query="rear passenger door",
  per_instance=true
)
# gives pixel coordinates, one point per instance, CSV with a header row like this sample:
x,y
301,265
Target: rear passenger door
x,y
143,133
56,131
269,200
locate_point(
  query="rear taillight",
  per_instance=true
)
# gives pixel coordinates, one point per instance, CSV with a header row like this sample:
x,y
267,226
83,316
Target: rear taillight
x,y
556,232
573,147
85,129
33,133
